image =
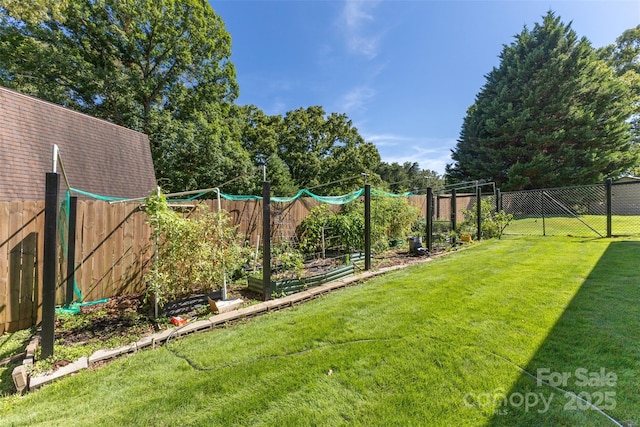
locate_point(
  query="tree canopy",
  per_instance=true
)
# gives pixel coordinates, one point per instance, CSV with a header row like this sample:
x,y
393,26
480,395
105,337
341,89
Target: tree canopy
x,y
35,11
307,148
624,57
551,114
163,67
408,176
158,66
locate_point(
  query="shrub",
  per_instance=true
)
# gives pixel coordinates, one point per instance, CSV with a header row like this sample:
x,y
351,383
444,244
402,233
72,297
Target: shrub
x,y
192,254
391,220
492,224
347,226
286,261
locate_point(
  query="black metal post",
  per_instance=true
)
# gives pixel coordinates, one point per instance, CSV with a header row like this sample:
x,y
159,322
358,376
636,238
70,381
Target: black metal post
x,y
266,240
544,225
71,249
479,211
49,263
429,218
367,226
498,200
454,210
608,185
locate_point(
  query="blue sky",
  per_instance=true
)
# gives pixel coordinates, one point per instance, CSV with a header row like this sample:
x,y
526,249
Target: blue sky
x,y
404,72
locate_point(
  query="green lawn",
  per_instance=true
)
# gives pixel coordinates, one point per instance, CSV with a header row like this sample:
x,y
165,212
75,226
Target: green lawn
x,y
440,343
567,225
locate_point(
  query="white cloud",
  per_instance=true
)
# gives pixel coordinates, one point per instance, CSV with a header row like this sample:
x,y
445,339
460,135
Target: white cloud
x,y
356,16
277,107
386,140
357,98
429,153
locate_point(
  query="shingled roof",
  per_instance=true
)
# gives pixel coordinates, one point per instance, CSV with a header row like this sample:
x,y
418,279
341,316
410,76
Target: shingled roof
x,y
98,156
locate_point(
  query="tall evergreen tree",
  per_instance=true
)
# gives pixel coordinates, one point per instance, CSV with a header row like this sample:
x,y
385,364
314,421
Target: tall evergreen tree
x,y
551,114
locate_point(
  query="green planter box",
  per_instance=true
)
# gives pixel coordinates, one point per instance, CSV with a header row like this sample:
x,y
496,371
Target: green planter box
x,y
291,286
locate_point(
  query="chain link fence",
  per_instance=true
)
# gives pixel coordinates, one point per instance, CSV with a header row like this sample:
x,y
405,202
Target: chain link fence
x,y
595,210
625,208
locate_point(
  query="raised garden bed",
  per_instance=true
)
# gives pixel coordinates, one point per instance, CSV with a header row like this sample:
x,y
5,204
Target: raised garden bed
x,y
291,286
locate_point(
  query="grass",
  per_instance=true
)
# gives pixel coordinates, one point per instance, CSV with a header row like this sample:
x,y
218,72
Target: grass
x,y
568,225
428,345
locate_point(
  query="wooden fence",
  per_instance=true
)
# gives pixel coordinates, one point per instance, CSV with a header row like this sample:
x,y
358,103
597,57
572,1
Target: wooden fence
x,y
112,251
113,248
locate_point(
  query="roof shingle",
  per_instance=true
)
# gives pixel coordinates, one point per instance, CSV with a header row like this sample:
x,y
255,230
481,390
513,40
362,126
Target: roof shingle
x,y
98,156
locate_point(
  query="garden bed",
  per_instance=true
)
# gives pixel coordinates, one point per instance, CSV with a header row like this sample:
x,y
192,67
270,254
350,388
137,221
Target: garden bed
x,y
289,286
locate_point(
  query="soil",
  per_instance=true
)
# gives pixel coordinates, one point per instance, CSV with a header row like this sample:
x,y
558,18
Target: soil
x,y
129,316
115,318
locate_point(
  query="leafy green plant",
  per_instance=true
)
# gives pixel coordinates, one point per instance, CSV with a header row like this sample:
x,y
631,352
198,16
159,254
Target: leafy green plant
x,y
419,226
502,220
492,224
312,227
286,261
391,220
346,225
193,254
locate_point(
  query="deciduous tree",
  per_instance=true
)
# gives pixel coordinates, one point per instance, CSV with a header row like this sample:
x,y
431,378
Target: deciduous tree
x,y
307,148
624,57
142,64
408,177
34,11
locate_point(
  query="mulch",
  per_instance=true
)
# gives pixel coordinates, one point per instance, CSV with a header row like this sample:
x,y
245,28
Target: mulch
x,y
123,315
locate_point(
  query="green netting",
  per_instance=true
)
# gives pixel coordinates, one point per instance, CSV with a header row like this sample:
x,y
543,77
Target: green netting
x,y
338,200
63,229
332,200
74,308
97,196
384,193
230,197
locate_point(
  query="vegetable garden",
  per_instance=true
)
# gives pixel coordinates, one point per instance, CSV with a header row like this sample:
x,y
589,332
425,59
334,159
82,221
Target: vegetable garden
x,y
196,248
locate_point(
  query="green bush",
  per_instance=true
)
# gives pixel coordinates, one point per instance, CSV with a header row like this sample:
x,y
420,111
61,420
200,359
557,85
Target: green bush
x,y
347,226
391,220
492,224
192,254
286,261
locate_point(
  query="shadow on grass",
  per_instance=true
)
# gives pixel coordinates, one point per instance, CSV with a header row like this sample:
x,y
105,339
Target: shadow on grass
x,y
591,355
